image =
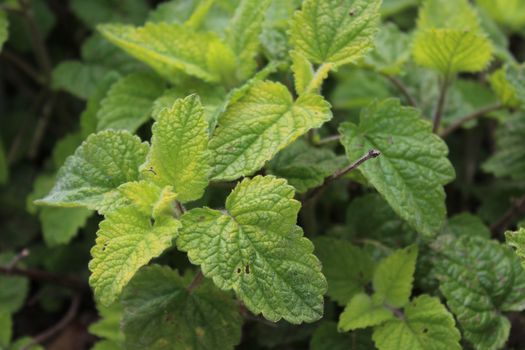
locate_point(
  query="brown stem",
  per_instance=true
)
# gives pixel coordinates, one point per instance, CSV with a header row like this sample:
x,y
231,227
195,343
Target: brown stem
x,y
36,39
180,207
402,88
22,65
399,314
503,222
41,127
45,276
19,139
440,105
64,321
340,173
24,253
197,280
474,115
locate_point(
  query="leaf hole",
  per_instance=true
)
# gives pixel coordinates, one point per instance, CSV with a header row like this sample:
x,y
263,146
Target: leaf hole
x,y
247,269
425,330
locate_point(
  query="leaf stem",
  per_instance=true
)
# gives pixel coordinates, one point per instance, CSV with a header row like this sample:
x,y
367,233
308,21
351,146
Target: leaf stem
x,y
44,276
41,127
340,173
399,314
196,19
328,139
319,76
37,40
440,104
23,254
474,115
64,321
179,207
402,88
197,280
23,66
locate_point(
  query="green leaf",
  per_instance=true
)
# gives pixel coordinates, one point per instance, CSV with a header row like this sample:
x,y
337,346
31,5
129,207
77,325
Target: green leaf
x,y
391,51
274,37
453,14
466,224
259,124
412,168
6,329
427,325
516,78
303,71
107,345
510,14
13,289
60,225
25,343
4,26
148,198
480,279
357,88
196,13
178,155
314,32
93,12
370,217
327,337
362,312
160,313
304,166
393,7
102,163
234,95
88,118
509,158
126,240
173,11
77,78
65,147
242,35
97,50
256,249
497,36
516,240
394,276
211,98
172,49
449,38
108,326
501,86
451,51
348,269
129,102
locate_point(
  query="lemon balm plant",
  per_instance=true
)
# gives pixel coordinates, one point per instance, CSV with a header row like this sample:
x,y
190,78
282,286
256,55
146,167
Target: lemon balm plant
x,y
272,174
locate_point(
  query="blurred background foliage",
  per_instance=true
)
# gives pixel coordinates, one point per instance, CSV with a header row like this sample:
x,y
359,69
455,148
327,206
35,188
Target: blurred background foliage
x,y
55,70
